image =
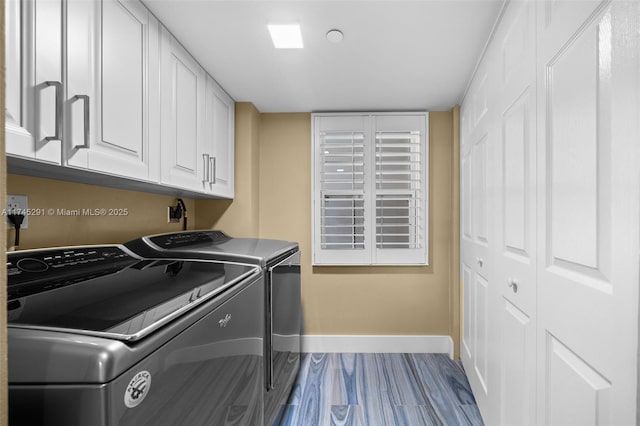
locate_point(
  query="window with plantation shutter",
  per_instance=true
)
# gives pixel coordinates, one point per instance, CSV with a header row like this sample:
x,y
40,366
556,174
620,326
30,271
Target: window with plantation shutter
x,y
342,190
369,189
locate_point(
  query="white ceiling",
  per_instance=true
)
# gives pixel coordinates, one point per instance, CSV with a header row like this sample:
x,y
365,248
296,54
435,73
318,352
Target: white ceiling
x,y
396,54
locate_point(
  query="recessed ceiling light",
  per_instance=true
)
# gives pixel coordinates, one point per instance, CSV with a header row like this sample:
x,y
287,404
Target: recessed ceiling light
x,y
286,36
335,36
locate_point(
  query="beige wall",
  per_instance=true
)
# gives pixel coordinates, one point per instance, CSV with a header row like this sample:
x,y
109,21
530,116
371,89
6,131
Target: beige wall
x,y
273,200
240,217
147,213
276,149
359,300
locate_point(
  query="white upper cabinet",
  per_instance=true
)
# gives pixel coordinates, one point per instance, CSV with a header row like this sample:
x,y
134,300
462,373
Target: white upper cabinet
x,y
112,88
33,111
218,149
102,89
182,109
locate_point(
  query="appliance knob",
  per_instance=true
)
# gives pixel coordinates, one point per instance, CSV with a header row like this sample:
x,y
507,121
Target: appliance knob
x,y
29,264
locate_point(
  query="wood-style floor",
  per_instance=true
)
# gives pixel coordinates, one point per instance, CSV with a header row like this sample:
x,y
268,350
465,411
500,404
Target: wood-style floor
x,y
379,390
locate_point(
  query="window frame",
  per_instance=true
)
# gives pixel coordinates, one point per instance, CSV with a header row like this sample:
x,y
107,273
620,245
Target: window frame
x,y
370,124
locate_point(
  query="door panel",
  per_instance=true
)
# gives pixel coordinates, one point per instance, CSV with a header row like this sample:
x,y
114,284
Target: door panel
x,y
588,209
123,49
476,238
574,145
481,353
183,109
47,67
127,37
576,393
18,140
517,383
81,44
185,92
222,119
469,323
34,112
517,147
112,58
479,198
515,272
465,192
218,144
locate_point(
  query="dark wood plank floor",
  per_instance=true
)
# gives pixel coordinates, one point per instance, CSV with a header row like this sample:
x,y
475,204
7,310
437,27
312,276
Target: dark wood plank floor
x,y
380,389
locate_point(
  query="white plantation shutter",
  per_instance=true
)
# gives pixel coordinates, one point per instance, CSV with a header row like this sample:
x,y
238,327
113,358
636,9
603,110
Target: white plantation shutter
x,y
398,182
342,190
370,199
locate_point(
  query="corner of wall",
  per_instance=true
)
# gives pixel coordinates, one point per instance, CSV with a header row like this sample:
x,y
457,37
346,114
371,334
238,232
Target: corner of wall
x,y
456,285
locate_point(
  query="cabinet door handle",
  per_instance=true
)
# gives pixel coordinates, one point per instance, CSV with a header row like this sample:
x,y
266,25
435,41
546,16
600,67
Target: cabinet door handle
x,y
480,261
212,161
513,284
206,170
58,86
87,130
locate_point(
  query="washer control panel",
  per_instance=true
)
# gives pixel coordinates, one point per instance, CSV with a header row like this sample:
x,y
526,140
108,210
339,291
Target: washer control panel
x,y
188,239
37,270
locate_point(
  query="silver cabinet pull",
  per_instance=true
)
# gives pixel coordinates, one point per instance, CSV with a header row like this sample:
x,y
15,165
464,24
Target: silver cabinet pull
x,y
480,261
513,284
58,86
87,130
212,179
206,171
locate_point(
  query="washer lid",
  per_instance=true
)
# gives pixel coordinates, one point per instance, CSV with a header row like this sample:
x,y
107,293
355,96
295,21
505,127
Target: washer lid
x,y
207,244
125,298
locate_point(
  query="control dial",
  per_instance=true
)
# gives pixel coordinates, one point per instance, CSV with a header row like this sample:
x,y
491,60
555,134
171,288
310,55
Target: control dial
x,y
29,264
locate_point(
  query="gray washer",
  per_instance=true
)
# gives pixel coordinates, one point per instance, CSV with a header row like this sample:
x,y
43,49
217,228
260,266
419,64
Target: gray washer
x,y
280,261
99,336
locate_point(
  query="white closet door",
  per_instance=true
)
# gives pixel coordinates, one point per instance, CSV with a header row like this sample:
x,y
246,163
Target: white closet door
x,y
478,164
515,269
588,269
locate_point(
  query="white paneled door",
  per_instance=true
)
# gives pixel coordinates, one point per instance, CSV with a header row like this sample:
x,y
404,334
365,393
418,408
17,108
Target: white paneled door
x,y
588,214
478,164
515,266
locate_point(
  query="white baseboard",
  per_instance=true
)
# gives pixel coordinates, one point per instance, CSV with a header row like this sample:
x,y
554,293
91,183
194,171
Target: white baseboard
x,y
377,344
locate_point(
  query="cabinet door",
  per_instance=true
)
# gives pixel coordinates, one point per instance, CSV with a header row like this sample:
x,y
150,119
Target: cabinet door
x,y
17,137
218,151
588,212
182,98
34,79
112,57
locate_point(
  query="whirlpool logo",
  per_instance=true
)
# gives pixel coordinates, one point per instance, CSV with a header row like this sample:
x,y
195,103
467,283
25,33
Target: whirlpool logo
x,y
137,389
